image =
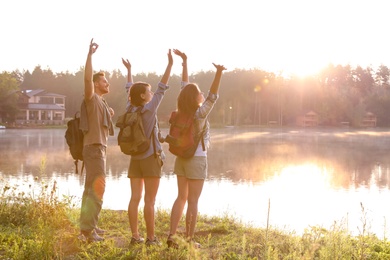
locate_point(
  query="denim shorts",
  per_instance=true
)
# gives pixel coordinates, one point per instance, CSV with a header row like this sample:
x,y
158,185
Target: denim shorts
x,y
193,168
149,167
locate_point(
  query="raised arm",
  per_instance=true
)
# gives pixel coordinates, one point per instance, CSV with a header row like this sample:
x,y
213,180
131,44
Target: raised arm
x,y
167,73
129,77
88,72
217,79
184,75
128,67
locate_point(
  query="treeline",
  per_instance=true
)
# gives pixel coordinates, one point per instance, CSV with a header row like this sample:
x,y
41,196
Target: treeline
x,y
247,97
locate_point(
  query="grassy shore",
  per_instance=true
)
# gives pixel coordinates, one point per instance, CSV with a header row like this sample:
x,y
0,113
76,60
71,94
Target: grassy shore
x,y
38,225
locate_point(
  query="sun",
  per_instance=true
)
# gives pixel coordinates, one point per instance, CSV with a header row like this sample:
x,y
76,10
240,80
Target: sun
x,y
303,58
305,69
303,65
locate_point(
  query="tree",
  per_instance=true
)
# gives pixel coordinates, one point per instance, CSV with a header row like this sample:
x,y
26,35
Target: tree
x,y
9,92
363,80
382,77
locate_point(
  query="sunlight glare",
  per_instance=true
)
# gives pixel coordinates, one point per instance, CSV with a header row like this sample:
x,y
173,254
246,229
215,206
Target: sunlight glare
x,y
303,68
302,192
299,180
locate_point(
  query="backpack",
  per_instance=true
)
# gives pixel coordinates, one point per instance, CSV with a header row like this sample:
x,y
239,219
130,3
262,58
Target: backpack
x,y
182,138
132,139
74,138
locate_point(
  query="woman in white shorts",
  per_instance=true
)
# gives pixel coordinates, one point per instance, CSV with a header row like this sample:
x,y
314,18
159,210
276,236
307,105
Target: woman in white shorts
x,y
191,173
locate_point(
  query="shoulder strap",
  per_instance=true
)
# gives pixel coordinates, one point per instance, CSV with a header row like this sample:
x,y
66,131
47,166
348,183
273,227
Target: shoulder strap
x,y
153,139
202,134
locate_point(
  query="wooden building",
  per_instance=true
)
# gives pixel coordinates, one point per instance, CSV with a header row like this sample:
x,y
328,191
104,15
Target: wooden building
x,y
41,107
369,120
309,119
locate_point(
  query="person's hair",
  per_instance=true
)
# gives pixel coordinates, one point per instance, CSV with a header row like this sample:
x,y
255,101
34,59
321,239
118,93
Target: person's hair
x,y
187,100
97,76
136,90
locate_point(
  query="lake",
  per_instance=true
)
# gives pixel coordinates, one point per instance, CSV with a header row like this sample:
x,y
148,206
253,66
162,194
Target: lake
x,y
293,177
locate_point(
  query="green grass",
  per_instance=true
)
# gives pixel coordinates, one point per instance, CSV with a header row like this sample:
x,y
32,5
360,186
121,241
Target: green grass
x,y
38,225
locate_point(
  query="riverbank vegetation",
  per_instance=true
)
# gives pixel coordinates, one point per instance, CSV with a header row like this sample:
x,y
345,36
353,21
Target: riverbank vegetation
x,y
39,225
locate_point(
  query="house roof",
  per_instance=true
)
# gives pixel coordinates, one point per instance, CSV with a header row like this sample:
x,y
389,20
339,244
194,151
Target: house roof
x,y
41,92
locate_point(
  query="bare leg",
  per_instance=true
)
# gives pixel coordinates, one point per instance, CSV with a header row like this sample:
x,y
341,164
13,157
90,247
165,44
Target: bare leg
x,y
178,205
151,188
136,185
194,190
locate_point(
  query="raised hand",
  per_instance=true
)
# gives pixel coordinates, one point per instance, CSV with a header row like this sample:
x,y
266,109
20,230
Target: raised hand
x,y
167,73
170,58
126,63
181,54
219,67
93,47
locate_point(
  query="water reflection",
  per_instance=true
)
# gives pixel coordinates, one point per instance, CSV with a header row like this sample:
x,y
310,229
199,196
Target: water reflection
x,y
306,176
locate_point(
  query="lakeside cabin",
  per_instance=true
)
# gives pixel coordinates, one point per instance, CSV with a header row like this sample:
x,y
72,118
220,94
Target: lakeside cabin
x,y
41,107
310,119
368,120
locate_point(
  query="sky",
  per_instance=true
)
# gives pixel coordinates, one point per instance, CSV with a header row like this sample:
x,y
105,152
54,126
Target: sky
x,y
282,36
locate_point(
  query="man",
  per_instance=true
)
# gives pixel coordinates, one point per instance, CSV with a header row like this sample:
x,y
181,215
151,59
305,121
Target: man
x,y
96,124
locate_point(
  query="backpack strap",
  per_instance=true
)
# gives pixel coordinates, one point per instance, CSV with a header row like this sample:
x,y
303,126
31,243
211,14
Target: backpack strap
x,y
153,139
202,136
76,163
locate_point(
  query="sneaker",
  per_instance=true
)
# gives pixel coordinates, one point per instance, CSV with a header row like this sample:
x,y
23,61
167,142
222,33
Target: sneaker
x,y
171,242
99,231
135,241
92,236
153,242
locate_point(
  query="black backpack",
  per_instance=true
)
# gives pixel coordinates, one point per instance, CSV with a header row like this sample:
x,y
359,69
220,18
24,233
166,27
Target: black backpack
x,y
74,138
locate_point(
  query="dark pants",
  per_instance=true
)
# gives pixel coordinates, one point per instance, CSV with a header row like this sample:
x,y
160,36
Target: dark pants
x,y
95,184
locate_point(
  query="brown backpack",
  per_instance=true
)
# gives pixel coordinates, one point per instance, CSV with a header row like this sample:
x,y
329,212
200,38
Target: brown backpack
x,y
132,138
